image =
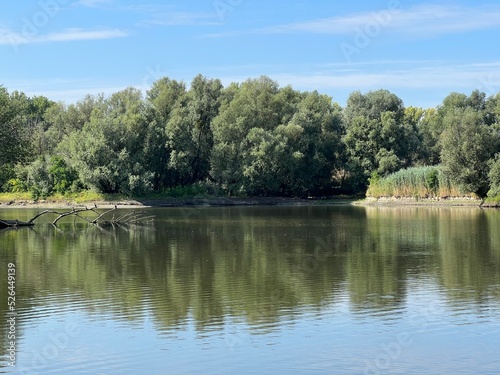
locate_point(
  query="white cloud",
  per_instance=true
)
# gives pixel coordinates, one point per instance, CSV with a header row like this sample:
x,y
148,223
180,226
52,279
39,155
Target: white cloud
x,y
8,37
422,20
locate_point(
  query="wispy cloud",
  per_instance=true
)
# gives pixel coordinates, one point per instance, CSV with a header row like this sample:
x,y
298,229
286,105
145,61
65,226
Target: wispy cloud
x,y
422,20
80,34
9,37
425,82
176,18
68,90
92,3
425,77
70,96
155,14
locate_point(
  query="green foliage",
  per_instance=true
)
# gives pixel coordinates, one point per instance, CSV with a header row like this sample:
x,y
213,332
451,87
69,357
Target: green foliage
x,y
494,177
39,181
467,145
189,131
6,174
198,190
425,147
64,178
314,142
253,138
271,141
108,151
262,163
254,105
15,185
162,99
43,177
377,136
432,180
14,142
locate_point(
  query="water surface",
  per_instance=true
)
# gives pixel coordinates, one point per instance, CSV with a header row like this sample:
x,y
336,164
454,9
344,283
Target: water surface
x,y
257,290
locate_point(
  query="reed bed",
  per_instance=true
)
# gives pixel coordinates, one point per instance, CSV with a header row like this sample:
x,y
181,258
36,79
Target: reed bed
x,y
415,182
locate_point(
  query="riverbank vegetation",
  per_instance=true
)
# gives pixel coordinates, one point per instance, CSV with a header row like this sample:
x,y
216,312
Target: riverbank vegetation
x,y
248,139
415,182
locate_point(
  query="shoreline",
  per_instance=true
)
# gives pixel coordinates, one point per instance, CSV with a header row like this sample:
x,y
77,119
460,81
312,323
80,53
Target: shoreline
x,y
252,201
425,202
177,202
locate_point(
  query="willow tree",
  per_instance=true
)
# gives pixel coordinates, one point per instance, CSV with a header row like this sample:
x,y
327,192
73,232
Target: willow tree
x,y
254,105
467,145
108,152
14,132
162,100
376,138
189,131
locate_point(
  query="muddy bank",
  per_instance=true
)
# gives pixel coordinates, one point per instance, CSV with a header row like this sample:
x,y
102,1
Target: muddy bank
x,y
252,201
445,202
176,202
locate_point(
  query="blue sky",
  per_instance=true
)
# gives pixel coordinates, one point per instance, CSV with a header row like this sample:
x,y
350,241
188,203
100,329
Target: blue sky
x,y
420,50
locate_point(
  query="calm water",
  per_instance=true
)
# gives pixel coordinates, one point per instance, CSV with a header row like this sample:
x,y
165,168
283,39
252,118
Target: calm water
x,y
257,290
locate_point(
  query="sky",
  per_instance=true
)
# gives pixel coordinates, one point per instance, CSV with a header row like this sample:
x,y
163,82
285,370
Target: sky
x,y
419,50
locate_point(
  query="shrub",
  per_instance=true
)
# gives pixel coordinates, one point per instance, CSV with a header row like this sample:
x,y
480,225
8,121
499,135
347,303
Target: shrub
x,y
39,182
15,185
46,176
63,176
432,180
6,174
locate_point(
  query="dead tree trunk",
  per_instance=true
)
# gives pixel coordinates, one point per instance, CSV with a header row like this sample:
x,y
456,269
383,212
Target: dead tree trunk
x,y
129,218
14,223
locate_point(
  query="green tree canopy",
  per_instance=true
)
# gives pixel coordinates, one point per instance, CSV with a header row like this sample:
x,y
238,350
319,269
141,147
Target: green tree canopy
x,y
108,151
377,139
466,146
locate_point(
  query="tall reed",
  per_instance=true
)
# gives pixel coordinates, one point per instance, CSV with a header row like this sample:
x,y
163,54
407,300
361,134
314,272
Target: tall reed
x,y
415,182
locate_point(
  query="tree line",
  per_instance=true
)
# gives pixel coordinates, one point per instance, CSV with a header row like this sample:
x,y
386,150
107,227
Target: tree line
x,y
253,138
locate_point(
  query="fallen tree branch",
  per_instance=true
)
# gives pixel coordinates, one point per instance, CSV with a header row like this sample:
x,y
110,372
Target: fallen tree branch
x,y
74,212
128,218
101,215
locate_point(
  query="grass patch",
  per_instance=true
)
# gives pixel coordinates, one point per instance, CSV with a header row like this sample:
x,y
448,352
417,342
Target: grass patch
x,y
88,196
493,200
92,196
9,197
81,197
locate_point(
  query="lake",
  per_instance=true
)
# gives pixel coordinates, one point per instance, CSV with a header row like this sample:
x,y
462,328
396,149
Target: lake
x,y
333,289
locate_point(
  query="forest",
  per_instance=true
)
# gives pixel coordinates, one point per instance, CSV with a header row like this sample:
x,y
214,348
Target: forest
x,y
248,139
